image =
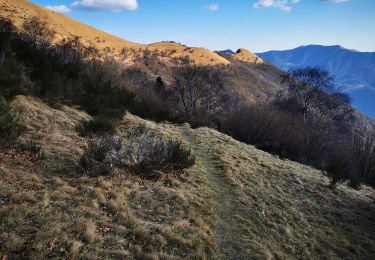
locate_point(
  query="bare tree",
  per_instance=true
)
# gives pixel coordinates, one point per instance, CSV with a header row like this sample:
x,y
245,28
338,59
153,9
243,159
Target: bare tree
x,y
313,89
72,51
364,153
258,124
199,90
37,32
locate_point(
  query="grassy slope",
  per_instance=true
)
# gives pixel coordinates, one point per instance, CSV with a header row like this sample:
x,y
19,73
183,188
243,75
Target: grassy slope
x,y
284,209
19,10
49,208
236,202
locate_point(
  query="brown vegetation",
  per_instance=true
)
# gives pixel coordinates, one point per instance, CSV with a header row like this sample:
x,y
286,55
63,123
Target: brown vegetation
x,y
236,202
74,186
49,208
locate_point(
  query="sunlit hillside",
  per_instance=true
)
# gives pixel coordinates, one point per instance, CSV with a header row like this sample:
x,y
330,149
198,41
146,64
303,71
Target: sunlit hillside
x,y
111,149
236,203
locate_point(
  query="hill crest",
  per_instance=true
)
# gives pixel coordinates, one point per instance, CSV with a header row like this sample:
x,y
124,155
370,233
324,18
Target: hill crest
x,y
19,10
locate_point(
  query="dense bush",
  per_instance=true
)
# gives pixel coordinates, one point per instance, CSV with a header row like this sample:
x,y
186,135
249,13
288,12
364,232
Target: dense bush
x,y
259,125
97,126
97,159
363,154
150,152
9,125
165,156
145,153
37,32
338,170
310,123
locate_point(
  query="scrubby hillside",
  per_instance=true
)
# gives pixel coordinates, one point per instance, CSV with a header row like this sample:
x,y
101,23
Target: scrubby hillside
x,y
248,77
80,178
20,10
236,202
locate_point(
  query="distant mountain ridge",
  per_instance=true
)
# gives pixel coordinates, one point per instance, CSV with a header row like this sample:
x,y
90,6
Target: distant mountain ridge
x,y
353,70
228,51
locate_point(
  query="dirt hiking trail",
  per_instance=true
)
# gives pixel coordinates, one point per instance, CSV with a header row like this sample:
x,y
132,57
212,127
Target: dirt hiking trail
x,y
230,237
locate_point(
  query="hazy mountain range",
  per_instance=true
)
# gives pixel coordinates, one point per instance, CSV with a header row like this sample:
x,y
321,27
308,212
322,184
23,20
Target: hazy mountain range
x,y
353,70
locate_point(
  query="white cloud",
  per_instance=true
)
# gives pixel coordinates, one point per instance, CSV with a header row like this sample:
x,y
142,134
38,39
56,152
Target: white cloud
x,y
213,7
284,5
59,8
106,5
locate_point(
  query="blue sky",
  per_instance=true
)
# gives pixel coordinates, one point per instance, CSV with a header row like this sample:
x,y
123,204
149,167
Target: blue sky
x,y
257,25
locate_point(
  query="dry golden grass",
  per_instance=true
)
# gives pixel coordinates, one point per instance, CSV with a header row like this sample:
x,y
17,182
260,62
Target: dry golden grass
x,y
281,209
49,208
247,56
236,202
199,56
19,10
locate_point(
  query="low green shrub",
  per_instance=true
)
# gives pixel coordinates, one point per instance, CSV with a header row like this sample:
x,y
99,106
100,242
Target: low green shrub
x,y
98,126
164,156
177,155
150,153
32,147
97,159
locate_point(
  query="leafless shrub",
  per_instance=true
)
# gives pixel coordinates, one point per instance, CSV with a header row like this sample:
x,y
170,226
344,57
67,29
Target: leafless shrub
x,y
37,32
256,124
72,51
313,90
124,54
364,153
199,90
283,133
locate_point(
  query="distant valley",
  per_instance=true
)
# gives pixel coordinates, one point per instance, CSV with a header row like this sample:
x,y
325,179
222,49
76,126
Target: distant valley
x,y
353,70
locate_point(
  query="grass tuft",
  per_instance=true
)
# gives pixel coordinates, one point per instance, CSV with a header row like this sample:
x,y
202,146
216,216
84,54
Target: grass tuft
x,y
99,126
